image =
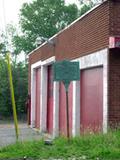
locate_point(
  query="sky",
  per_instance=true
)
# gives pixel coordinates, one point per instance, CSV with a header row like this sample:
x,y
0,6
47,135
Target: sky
x,y
9,11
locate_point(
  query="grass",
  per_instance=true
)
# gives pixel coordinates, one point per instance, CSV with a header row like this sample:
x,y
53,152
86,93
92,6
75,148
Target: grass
x,y
92,147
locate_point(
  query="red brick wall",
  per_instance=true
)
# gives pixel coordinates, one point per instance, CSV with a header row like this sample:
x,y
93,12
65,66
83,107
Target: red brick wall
x,y
114,17
88,35
114,66
114,87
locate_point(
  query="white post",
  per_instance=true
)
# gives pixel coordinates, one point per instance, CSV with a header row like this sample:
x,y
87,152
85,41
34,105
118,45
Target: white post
x,y
76,109
33,95
55,109
43,99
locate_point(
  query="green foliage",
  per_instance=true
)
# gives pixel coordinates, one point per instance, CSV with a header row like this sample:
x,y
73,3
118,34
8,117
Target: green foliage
x,y
20,87
92,147
84,9
4,89
20,82
2,46
42,18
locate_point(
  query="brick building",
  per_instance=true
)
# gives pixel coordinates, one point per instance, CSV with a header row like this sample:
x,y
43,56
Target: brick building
x,y
94,101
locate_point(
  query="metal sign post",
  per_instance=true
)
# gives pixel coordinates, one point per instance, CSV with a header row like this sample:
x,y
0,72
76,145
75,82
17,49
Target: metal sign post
x,y
66,84
66,72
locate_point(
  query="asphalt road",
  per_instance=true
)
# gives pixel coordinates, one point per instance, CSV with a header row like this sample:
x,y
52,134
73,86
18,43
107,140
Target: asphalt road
x,y
7,133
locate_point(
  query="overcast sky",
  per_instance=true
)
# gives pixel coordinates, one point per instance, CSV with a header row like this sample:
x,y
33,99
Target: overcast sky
x,y
9,10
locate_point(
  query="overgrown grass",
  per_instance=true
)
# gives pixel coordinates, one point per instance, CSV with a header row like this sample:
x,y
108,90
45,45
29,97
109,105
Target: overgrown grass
x,y
94,147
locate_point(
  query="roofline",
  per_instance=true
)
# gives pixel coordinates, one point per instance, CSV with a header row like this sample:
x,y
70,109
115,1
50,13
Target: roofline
x,y
67,27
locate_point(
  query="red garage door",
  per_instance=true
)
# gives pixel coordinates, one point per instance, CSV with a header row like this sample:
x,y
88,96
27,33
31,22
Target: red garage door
x,y
91,99
37,107
50,101
62,109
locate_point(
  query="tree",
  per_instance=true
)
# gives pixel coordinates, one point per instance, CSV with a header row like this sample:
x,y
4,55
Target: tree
x,y
42,18
2,47
5,102
20,78
3,43
20,82
84,9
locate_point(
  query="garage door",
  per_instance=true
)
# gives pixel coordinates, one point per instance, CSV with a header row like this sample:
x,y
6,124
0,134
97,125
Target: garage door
x,y
91,112
37,106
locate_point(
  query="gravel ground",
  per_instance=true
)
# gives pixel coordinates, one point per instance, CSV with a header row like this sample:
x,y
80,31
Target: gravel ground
x,y
7,133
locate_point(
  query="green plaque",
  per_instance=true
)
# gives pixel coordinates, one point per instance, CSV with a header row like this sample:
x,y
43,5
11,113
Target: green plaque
x,y
66,72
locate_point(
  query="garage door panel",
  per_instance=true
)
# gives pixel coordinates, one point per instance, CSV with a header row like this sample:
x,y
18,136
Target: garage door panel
x,y
62,109
92,99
